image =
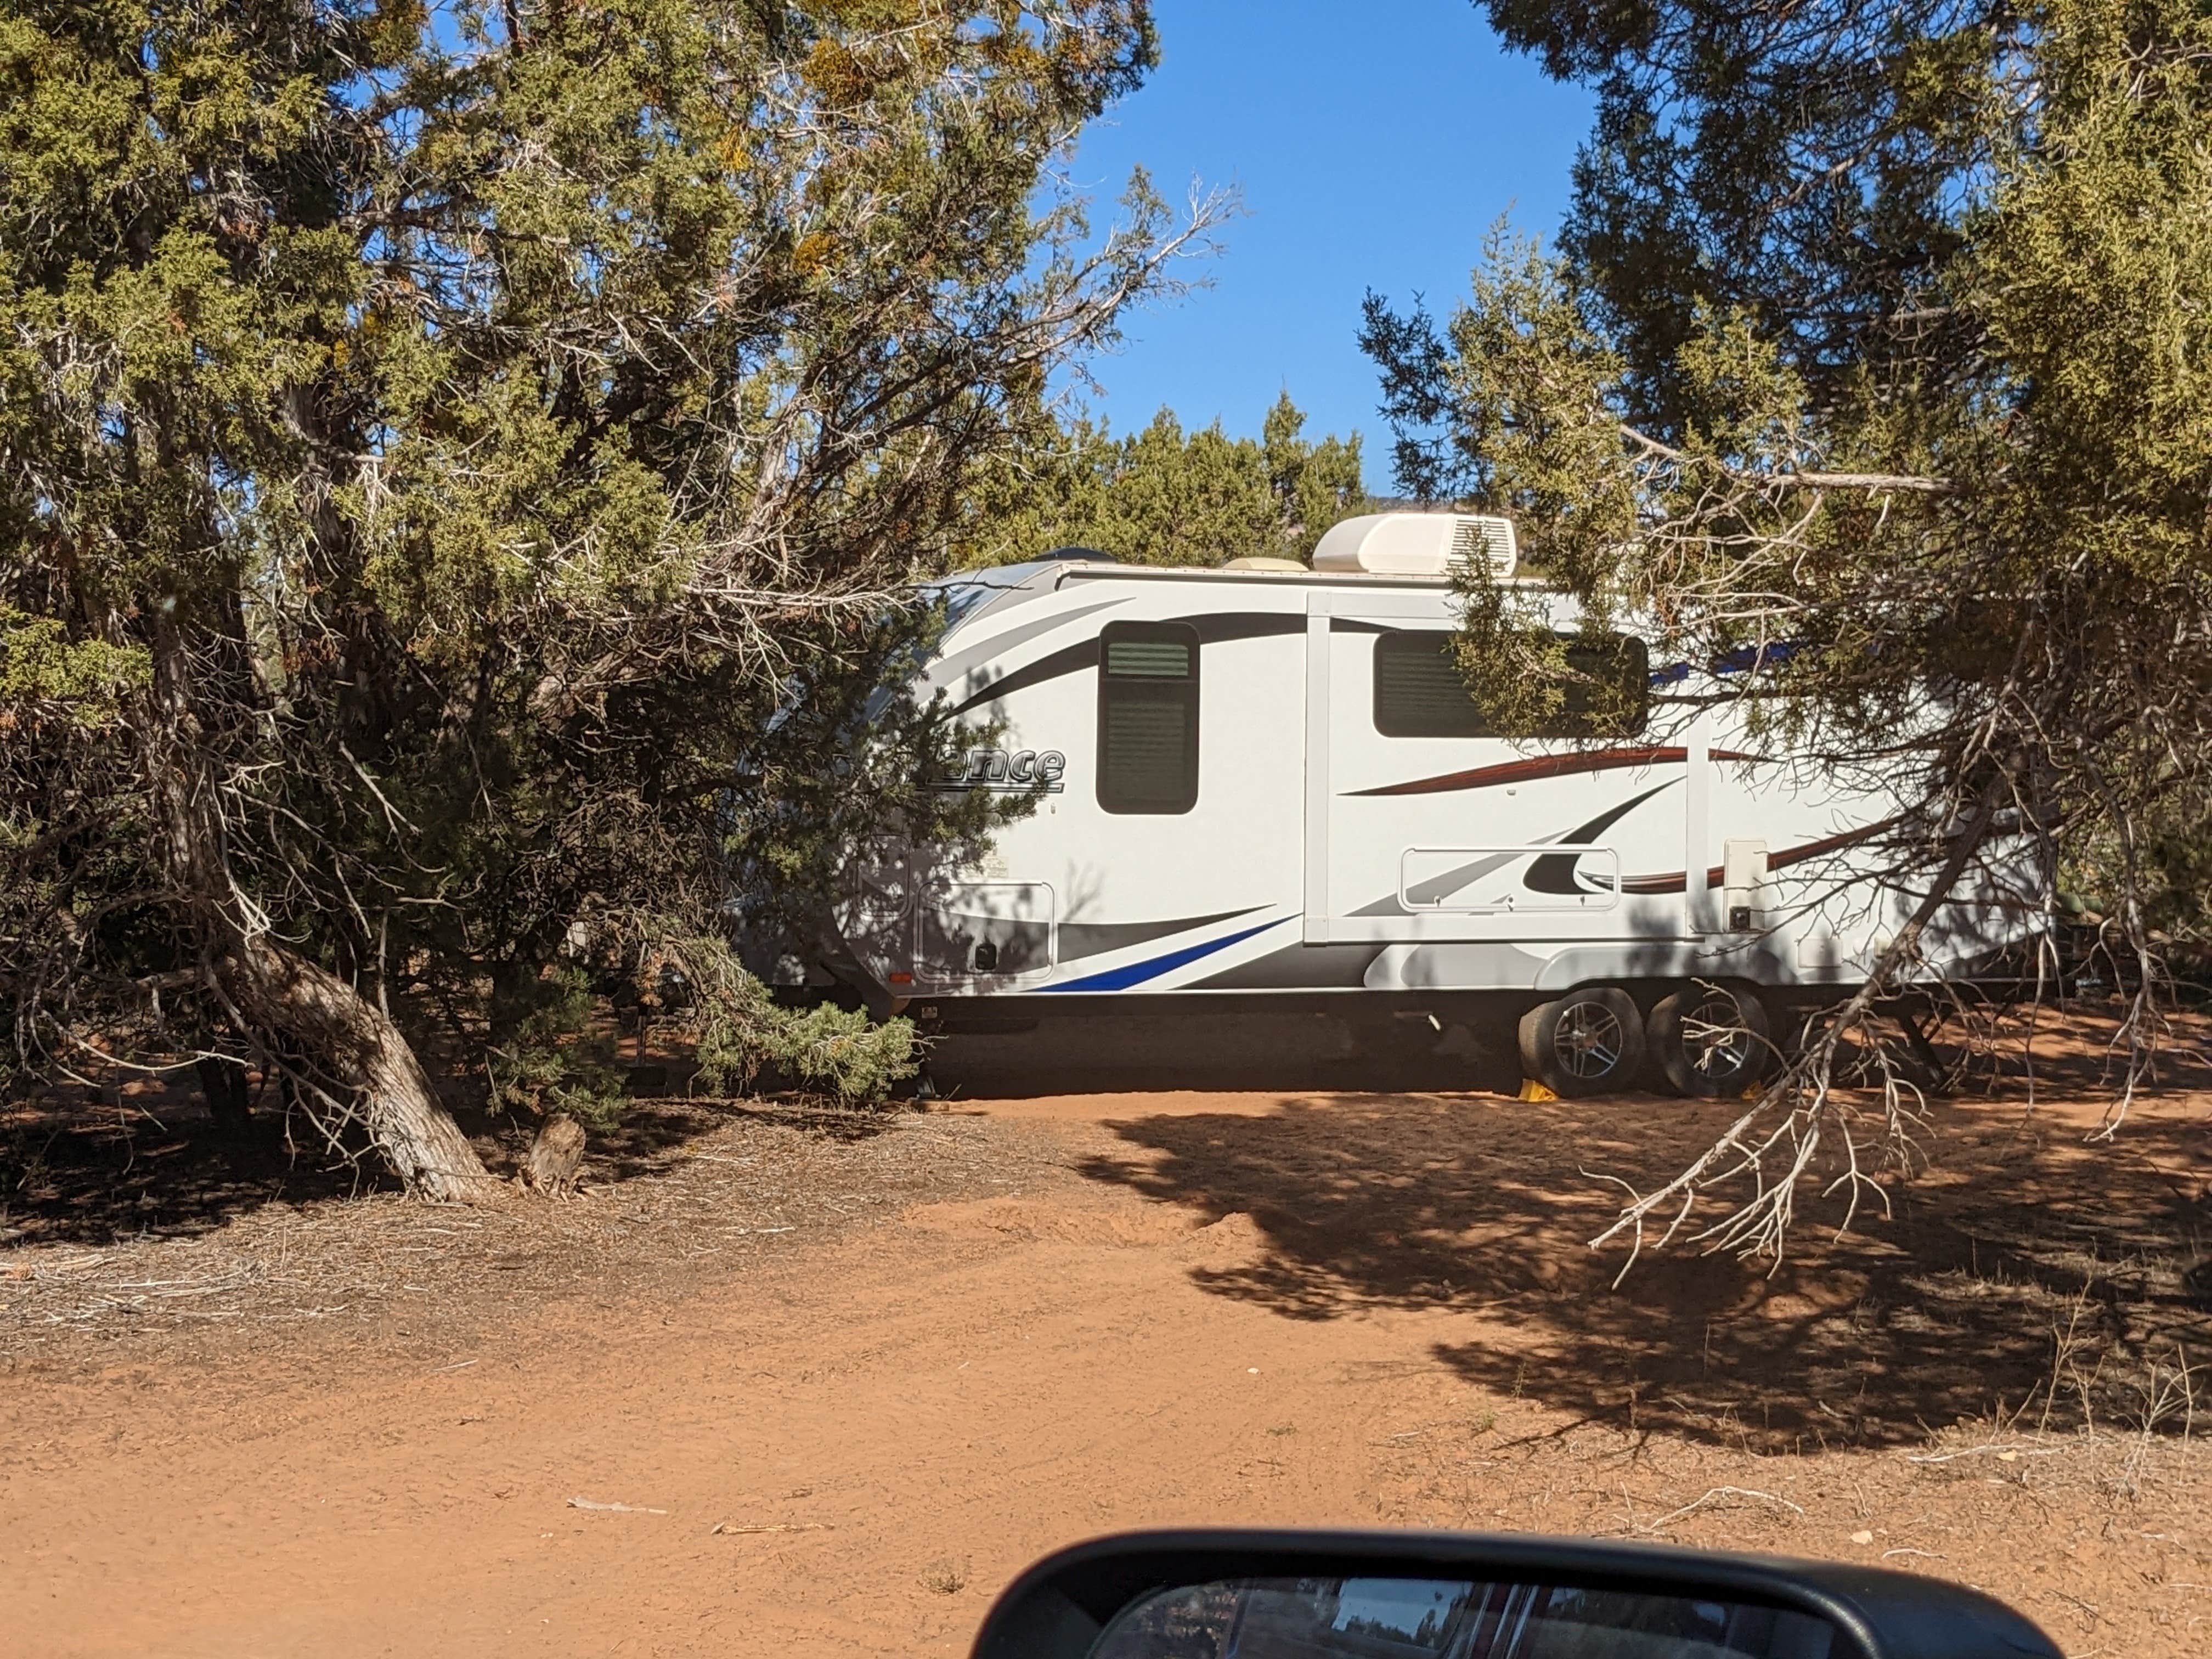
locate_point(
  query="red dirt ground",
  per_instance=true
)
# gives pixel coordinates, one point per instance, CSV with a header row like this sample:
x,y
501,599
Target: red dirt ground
x,y
850,1383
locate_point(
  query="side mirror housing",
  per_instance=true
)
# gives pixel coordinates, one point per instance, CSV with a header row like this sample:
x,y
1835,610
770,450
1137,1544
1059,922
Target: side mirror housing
x,y
1265,1595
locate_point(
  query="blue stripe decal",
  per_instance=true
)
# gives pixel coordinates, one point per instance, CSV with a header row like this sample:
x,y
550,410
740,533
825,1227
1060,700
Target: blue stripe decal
x,y
1120,979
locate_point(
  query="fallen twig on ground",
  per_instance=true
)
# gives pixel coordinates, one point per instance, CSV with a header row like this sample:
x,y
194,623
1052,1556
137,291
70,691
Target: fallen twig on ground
x,y
1720,1492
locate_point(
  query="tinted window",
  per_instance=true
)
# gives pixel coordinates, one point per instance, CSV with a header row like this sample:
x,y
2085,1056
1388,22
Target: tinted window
x,y
1418,692
1419,1619
1148,717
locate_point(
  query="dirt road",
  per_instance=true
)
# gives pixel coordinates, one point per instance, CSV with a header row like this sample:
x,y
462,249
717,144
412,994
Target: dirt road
x,y
841,1433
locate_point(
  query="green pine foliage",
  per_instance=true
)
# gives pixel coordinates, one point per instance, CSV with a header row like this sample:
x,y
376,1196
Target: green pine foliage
x,y
1808,163
836,1052
742,1035
1163,496
554,1055
463,474
1935,450
1874,362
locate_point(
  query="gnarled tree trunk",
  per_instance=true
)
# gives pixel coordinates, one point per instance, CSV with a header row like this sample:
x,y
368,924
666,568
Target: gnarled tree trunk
x,y
273,987
367,1054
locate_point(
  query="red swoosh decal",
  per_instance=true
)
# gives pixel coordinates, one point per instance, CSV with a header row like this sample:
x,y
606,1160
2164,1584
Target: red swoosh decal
x,y
1674,882
1547,766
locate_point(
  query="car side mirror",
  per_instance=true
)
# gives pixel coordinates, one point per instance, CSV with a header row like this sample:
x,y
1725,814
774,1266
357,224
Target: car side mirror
x,y
1230,1594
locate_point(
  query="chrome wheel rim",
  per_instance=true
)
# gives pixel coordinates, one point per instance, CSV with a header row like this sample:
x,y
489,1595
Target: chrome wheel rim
x,y
1588,1041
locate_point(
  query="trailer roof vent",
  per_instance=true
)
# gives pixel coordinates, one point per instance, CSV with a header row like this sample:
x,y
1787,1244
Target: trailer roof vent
x,y
1416,544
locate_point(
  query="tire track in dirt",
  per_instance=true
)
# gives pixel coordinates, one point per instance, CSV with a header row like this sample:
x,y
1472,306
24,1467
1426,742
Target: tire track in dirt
x,y
976,1385
930,1402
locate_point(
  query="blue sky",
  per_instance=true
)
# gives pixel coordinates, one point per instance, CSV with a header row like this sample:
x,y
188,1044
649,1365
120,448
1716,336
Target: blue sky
x,y
1373,142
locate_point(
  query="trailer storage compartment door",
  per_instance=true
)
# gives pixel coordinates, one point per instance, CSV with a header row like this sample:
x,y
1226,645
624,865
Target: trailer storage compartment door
x,y
986,930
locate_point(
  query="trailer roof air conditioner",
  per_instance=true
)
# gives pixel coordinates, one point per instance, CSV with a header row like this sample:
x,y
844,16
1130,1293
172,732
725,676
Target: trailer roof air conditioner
x,y
1416,544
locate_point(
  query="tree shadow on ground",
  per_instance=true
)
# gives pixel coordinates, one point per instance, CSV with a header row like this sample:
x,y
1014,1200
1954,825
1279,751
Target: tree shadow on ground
x,y
84,1172
77,1171
1943,1310
653,1136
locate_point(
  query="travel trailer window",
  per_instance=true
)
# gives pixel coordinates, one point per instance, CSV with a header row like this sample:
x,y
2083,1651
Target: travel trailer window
x,y
1418,692
1148,717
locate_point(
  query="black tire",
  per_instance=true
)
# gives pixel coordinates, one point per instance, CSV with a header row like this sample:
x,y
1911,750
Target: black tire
x,y
1711,1039
1589,1041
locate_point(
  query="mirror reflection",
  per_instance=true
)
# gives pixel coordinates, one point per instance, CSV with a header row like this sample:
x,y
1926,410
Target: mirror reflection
x,y
1451,1618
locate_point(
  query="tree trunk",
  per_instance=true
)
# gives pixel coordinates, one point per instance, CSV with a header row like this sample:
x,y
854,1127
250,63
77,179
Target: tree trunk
x,y
556,1155
271,985
223,1086
367,1054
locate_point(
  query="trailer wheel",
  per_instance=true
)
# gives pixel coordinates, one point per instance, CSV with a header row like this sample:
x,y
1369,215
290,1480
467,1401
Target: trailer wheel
x,y
1711,1039
1587,1042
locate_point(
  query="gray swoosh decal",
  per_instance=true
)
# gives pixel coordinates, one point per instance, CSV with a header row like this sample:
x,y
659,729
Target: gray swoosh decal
x,y
1079,939
1213,628
1555,871
947,670
1437,889
1542,875
1434,889
1299,968
1068,660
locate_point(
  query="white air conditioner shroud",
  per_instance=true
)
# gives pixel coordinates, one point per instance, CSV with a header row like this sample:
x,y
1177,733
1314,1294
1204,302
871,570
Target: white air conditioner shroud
x,y
1417,544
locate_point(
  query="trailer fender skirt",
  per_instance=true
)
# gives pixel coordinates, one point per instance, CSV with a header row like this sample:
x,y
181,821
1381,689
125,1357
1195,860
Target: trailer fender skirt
x,y
1543,966
1470,965
1755,959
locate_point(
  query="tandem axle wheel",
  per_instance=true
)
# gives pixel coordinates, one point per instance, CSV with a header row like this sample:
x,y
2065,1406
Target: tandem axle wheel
x,y
1709,1039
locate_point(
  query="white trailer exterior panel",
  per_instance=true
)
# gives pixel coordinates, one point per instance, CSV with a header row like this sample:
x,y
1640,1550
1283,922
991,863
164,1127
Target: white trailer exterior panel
x,y
1230,801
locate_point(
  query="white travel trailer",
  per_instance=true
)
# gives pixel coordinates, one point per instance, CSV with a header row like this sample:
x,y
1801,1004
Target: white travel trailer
x,y
1269,781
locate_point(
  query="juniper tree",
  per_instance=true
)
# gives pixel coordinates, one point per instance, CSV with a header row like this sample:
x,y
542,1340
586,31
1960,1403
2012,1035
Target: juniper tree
x,y
1879,352
1164,496
459,471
